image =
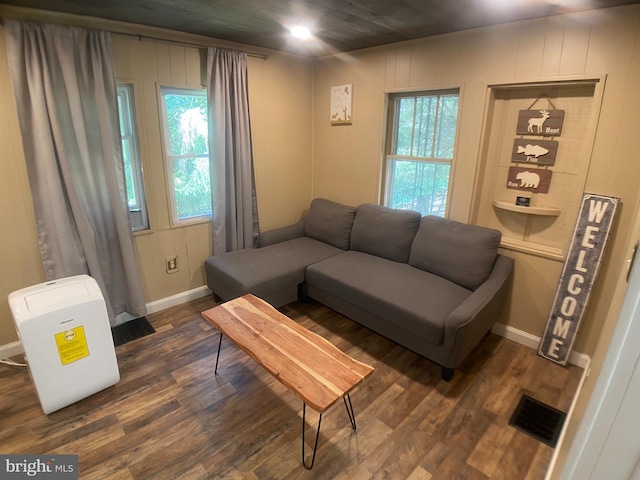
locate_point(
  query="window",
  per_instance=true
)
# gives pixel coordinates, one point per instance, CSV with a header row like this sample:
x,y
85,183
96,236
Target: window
x,y
420,140
131,156
187,152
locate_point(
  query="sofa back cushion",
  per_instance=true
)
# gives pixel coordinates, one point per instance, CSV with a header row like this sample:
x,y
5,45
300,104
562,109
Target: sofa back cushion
x,y
329,222
384,232
461,253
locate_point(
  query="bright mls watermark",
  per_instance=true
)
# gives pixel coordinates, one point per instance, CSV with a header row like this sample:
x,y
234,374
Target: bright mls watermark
x,y
52,467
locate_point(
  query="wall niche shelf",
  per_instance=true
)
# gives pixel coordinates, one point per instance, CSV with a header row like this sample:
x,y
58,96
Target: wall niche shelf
x,y
545,211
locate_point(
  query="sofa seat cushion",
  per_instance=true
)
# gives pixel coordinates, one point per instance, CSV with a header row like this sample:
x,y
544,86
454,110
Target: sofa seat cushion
x,y
418,301
262,271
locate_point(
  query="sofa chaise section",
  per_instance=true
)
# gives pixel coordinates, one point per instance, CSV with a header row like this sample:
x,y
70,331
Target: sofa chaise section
x,y
272,273
275,270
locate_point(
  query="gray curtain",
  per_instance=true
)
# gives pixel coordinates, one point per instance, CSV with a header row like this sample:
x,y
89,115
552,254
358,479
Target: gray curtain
x,y
233,192
65,90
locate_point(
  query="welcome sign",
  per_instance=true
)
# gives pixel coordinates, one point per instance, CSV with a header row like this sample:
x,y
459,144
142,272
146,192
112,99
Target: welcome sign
x,y
578,274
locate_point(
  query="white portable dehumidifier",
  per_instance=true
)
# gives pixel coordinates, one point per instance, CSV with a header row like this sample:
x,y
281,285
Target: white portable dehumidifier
x,y
66,337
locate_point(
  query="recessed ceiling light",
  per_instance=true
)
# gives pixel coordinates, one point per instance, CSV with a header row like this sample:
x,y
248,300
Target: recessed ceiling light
x,y
300,32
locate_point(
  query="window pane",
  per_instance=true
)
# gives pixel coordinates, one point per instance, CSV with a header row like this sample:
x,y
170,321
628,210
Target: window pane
x,y
186,115
446,131
131,159
417,185
424,127
186,137
421,149
128,174
192,187
405,126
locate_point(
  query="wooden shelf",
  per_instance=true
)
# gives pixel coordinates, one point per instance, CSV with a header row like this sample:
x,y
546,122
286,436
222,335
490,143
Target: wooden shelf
x,y
546,211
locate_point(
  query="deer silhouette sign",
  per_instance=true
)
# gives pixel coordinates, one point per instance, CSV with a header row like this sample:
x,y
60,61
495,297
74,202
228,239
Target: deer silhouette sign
x,y
538,122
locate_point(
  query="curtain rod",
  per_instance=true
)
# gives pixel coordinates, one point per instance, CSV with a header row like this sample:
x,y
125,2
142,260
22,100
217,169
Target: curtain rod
x,y
141,37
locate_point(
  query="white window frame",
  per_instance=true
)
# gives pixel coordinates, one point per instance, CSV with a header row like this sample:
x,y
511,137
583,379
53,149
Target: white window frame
x,y
138,214
169,158
390,157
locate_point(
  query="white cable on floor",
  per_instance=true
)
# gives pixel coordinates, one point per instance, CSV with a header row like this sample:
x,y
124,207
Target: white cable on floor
x,y
12,363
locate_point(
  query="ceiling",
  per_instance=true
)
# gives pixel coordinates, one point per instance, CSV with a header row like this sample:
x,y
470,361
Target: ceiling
x,y
337,25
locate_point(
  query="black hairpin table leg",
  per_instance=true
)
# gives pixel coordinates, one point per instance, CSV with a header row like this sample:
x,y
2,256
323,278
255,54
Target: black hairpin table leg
x,y
215,370
352,420
315,445
349,407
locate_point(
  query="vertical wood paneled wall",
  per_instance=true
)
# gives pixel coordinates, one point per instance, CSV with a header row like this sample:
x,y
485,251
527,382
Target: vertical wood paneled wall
x,y
604,43
279,100
281,106
298,155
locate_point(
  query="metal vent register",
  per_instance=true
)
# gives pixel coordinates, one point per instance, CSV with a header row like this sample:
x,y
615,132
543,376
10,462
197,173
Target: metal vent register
x,y
538,420
131,330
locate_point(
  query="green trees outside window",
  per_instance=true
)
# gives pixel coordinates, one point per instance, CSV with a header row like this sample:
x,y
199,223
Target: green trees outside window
x,y
187,150
131,158
420,148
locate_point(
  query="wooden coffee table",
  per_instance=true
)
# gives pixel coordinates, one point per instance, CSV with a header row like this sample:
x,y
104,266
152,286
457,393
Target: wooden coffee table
x,y
307,364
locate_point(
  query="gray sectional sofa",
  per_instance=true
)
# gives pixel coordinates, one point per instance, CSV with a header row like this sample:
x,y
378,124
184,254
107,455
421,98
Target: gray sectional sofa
x,y
433,285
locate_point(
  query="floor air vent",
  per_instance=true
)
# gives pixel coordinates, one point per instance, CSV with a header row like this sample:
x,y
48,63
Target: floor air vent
x,y
131,330
538,420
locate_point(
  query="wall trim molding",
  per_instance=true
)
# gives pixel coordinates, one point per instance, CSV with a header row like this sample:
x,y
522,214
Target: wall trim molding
x,y
15,348
177,299
10,350
578,359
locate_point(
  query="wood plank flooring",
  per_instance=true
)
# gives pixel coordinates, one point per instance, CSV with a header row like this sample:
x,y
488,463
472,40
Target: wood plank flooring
x,y
171,417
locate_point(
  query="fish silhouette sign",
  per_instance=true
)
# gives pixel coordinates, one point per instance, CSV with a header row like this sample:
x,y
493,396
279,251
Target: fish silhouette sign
x,y
540,152
529,179
547,123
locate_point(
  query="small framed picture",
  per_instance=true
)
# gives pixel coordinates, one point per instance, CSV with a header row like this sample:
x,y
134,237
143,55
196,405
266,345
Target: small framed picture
x,y
341,104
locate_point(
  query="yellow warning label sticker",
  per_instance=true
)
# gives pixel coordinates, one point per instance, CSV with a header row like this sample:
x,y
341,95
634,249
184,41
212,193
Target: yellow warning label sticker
x,y
72,345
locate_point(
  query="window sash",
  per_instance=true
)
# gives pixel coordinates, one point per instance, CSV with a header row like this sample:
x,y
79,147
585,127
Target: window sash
x,y
187,202
408,154
447,161
134,184
429,194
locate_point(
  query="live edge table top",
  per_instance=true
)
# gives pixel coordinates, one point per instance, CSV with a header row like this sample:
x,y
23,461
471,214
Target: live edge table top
x,y
315,370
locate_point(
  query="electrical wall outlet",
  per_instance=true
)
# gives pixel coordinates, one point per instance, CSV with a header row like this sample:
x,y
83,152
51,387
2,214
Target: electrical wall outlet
x,y
172,264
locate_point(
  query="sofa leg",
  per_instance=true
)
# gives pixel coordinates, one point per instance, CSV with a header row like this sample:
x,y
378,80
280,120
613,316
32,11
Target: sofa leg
x,y
447,374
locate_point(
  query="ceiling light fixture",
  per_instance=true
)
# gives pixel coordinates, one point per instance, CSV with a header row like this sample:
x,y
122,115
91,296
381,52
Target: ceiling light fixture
x,y
300,32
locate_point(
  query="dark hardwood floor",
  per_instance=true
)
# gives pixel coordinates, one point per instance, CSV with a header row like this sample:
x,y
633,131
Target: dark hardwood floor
x,y
171,417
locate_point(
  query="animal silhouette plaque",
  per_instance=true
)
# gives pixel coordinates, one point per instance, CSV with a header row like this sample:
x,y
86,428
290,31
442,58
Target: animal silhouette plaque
x,y
540,152
529,179
547,123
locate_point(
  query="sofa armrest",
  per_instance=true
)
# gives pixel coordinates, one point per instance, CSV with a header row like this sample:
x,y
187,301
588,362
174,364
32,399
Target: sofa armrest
x,y
473,319
282,234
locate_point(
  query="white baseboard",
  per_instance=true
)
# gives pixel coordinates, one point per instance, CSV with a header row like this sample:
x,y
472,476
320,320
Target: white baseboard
x,y
15,348
575,358
10,350
177,299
